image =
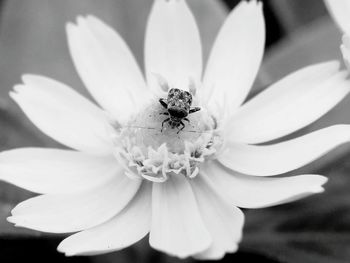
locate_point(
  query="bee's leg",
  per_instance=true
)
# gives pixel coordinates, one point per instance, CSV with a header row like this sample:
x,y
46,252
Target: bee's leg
x,y
167,119
164,113
194,110
183,126
163,103
185,119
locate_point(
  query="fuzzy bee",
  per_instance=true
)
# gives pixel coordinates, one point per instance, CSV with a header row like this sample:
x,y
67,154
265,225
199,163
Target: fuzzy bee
x,y
178,106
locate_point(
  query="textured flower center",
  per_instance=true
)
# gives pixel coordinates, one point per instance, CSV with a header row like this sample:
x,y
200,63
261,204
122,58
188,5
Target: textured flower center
x,y
152,148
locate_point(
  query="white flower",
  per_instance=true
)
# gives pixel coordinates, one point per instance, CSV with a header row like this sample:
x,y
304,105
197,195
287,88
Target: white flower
x,y
126,178
340,11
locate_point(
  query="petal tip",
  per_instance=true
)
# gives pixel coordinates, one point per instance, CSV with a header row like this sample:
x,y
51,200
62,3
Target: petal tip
x,y
92,18
322,180
11,219
259,5
13,93
171,1
216,255
29,78
70,26
62,248
14,96
332,64
16,90
182,254
81,20
15,221
318,190
256,4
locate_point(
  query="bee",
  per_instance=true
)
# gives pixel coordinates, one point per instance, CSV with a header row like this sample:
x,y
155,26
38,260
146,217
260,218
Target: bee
x,y
178,106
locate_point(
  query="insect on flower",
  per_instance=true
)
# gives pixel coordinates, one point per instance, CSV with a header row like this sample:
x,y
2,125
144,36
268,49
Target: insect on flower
x,y
178,105
123,178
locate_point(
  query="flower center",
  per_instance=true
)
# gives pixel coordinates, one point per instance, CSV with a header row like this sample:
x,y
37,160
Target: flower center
x,y
153,147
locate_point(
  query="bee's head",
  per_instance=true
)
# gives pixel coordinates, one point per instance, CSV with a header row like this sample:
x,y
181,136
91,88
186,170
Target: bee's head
x,y
177,112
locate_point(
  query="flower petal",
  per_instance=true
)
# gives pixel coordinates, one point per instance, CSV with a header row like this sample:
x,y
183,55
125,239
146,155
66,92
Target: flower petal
x,y
257,192
345,49
107,67
63,213
55,171
265,160
289,105
172,45
340,11
177,226
123,230
223,221
235,58
63,114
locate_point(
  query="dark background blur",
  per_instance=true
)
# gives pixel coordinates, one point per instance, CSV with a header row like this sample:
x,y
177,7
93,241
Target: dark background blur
x,y
299,33
285,16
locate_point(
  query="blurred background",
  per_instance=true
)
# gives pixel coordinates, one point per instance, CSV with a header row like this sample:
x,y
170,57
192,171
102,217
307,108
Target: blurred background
x,y
299,33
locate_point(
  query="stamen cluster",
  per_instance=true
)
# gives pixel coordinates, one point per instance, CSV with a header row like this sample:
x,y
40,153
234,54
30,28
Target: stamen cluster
x,y
149,153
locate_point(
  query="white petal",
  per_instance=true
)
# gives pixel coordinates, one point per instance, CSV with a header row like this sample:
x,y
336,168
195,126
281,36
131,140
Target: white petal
x,y
235,58
340,10
345,49
172,45
107,67
55,171
223,221
289,105
123,230
177,226
265,160
63,213
63,114
256,192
